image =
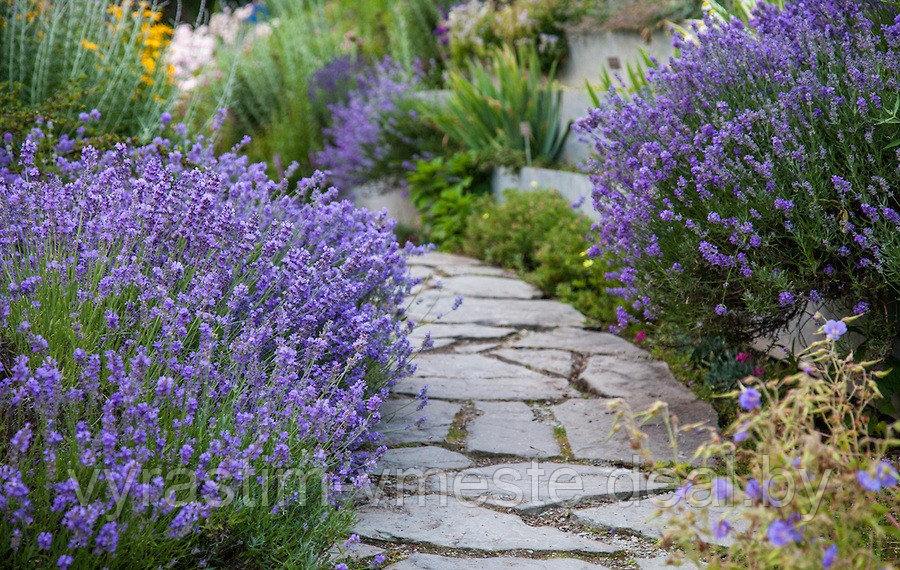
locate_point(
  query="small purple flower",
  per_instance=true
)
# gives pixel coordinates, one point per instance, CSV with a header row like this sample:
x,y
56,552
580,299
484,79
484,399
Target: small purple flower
x,y
750,398
783,532
722,529
65,561
829,556
868,482
44,540
785,298
886,474
834,330
753,490
112,320
722,489
861,308
721,309
165,118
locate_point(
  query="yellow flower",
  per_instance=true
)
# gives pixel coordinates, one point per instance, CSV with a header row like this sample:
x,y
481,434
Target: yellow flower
x,y
89,45
588,262
116,11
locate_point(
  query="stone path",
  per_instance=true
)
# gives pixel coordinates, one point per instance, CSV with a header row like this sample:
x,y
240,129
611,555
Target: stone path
x,y
513,466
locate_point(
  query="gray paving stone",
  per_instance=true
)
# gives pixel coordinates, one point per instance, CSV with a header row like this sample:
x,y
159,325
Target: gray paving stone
x,y
460,331
555,361
580,340
422,561
449,365
489,286
444,521
638,382
398,413
422,459
357,551
533,487
431,307
451,264
510,428
472,348
638,516
438,258
589,423
475,388
661,563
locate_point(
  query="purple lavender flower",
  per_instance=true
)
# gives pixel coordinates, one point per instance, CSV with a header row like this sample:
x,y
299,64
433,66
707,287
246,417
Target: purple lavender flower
x,y
785,298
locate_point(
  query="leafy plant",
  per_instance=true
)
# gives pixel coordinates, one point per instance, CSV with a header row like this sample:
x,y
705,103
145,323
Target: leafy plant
x,y
539,235
445,190
810,488
505,104
111,54
472,29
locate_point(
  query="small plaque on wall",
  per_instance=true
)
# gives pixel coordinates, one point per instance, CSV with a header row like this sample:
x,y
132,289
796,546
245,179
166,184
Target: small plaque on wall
x,y
614,63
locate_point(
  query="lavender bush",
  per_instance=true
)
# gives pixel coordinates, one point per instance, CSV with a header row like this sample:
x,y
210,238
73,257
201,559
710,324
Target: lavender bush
x,y
757,172
178,338
357,146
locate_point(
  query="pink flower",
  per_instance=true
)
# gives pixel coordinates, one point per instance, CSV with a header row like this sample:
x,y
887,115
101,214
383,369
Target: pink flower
x,y
743,357
759,371
640,336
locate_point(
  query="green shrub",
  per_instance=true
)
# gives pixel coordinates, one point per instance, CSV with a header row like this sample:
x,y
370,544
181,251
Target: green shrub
x,y
112,54
505,104
446,191
539,235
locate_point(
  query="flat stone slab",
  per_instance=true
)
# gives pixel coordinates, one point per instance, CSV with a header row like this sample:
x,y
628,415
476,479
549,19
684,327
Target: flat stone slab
x,y
581,340
638,516
451,264
421,561
661,563
489,286
444,521
358,551
527,388
551,360
460,331
475,347
402,460
533,487
449,365
399,423
509,428
638,382
431,307
589,423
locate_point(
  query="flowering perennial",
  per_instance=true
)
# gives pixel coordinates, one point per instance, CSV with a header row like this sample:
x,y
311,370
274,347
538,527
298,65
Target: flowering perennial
x,y
758,171
165,312
356,136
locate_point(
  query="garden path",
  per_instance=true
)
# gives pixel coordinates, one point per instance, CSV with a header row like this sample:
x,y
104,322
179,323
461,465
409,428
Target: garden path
x,y
513,466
